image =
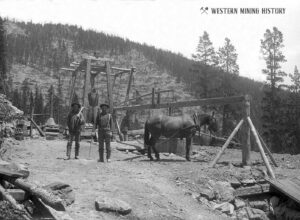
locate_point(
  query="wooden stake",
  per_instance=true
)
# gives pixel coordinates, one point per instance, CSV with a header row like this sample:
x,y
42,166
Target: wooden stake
x,y
261,150
214,162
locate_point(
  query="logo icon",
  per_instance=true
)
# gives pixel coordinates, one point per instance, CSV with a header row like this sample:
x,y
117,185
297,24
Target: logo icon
x,y
204,10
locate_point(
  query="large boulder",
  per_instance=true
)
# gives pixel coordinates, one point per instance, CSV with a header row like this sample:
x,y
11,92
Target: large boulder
x,y
223,191
105,204
62,190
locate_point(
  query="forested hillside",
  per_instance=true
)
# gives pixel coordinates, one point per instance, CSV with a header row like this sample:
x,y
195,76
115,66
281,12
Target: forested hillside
x,y
36,52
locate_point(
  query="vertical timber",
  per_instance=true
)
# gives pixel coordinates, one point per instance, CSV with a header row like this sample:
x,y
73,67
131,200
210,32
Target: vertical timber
x,y
246,151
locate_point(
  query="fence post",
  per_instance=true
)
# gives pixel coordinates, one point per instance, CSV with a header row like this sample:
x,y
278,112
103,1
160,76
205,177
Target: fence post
x,y
246,144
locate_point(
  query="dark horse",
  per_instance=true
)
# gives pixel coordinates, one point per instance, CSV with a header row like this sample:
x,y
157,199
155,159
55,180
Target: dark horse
x,y
170,127
206,119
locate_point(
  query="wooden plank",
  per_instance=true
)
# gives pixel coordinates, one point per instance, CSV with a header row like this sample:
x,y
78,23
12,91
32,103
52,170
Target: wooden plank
x,y
199,102
252,190
288,187
121,69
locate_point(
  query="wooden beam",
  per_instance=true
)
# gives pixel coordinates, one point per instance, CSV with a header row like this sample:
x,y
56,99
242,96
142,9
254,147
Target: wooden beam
x,y
209,101
68,69
252,190
33,189
13,202
153,98
121,69
214,162
261,150
37,127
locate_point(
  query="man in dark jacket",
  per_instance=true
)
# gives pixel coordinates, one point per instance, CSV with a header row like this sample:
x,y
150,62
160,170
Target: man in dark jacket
x,y
75,121
104,125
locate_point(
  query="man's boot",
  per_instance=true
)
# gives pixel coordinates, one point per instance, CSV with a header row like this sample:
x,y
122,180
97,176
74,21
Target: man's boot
x,y
68,151
108,152
101,155
77,151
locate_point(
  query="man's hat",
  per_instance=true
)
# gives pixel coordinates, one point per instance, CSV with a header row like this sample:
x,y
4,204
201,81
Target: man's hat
x,y
75,103
104,104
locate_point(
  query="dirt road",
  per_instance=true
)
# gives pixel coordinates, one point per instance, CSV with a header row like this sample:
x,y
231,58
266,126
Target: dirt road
x,y
149,187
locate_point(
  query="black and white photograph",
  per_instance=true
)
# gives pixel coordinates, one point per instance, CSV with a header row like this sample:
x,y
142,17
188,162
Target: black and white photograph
x,y
149,109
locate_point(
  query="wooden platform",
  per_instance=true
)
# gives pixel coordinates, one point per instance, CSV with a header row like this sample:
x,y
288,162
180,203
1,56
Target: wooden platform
x,y
289,187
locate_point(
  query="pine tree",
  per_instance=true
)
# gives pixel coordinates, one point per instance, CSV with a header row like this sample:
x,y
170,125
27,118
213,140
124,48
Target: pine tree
x,y
205,52
271,47
295,78
3,75
204,57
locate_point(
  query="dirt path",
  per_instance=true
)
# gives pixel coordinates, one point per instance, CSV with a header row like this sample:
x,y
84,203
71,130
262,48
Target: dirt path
x,y
149,187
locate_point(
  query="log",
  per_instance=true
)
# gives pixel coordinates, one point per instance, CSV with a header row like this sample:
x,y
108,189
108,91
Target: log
x,y
199,102
34,190
136,132
267,150
261,150
252,190
246,150
214,162
37,127
13,202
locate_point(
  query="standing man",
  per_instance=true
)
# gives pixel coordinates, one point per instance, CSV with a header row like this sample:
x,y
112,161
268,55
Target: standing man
x,y
104,125
75,121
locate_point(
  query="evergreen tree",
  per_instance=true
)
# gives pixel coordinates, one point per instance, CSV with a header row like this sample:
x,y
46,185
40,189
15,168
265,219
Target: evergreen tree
x,y
205,52
204,57
227,58
295,78
3,75
271,46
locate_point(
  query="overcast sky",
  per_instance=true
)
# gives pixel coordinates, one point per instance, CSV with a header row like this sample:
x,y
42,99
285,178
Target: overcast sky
x,y
174,24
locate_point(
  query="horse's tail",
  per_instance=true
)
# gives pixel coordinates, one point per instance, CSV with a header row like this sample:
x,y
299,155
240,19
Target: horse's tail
x,y
146,134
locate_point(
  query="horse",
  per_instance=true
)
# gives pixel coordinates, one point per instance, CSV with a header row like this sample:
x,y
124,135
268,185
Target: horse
x,y
206,119
170,127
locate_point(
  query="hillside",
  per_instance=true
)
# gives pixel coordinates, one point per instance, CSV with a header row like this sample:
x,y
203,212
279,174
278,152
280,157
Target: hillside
x,y
36,52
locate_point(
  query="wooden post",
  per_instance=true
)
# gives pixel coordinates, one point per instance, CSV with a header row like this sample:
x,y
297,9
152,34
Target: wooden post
x,y
109,92
153,96
51,102
86,87
158,97
214,162
31,117
129,85
261,150
170,111
246,144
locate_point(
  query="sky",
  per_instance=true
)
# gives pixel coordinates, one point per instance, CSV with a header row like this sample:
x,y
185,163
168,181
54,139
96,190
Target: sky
x,y
175,25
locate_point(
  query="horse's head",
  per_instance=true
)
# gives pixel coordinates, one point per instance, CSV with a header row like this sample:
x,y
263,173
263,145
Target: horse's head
x,y
205,119
212,123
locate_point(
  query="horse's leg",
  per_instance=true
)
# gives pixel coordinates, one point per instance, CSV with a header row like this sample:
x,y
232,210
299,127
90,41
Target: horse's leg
x,y
188,147
151,144
155,151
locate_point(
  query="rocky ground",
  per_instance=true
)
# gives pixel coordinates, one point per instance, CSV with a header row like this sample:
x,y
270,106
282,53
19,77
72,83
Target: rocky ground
x,y
169,189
